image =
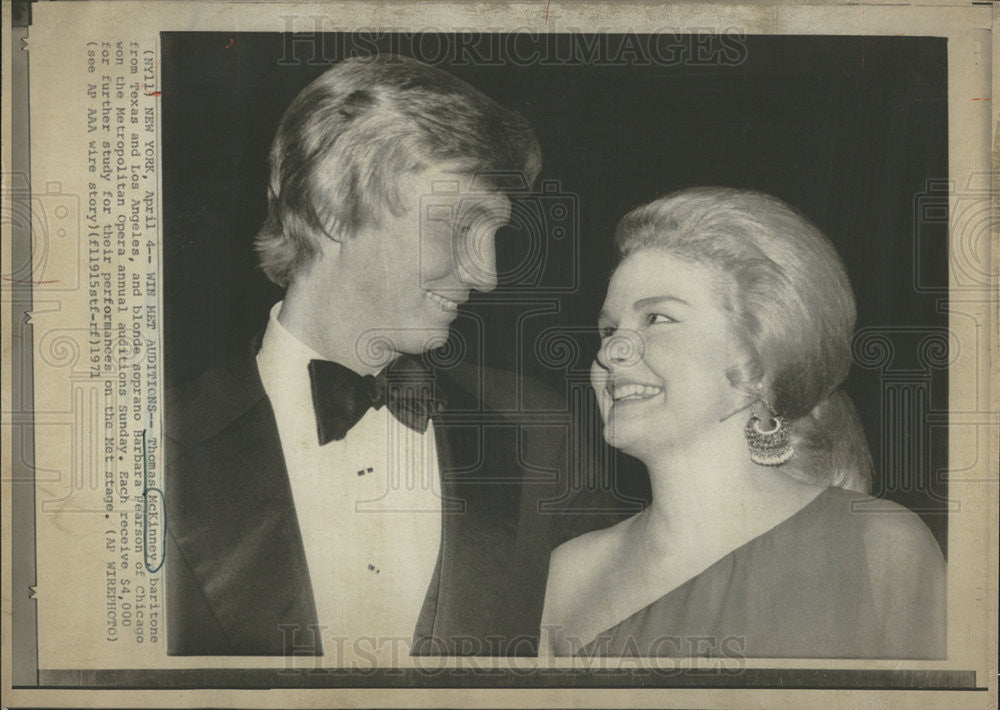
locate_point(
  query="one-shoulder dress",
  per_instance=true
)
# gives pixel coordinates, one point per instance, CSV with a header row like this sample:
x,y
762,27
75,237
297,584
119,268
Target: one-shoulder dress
x,y
847,576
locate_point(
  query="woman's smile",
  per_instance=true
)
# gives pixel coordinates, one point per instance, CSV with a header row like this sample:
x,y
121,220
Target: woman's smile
x,y
631,392
666,346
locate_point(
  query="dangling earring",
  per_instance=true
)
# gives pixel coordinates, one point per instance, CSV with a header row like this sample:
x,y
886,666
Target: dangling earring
x,y
769,446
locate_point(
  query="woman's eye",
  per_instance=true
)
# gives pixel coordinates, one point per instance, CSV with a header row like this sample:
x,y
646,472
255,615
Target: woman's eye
x,y
654,318
606,331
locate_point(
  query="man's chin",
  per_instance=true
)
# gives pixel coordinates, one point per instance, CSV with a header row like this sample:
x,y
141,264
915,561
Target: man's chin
x,y
428,340
436,341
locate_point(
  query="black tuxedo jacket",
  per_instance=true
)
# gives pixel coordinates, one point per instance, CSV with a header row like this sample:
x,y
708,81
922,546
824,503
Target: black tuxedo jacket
x,y
237,579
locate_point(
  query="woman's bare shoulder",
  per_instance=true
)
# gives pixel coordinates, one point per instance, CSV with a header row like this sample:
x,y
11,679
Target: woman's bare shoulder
x,y
579,564
591,547
894,536
579,572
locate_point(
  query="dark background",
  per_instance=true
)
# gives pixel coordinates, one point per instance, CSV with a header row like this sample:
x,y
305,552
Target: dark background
x,y
851,130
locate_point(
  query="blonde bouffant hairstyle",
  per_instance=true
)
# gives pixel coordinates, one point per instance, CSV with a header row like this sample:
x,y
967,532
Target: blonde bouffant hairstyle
x,y
791,304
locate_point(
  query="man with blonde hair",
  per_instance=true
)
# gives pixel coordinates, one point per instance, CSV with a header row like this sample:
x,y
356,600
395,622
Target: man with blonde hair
x,y
339,480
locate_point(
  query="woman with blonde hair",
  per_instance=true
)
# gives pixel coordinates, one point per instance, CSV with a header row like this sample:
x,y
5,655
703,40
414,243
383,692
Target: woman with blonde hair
x,y
725,337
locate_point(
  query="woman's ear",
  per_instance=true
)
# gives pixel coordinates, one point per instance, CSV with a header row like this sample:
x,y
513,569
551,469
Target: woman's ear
x,y
746,375
742,400
747,383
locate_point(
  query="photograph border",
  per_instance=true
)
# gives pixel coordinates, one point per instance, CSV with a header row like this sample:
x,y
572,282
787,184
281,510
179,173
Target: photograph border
x,y
18,511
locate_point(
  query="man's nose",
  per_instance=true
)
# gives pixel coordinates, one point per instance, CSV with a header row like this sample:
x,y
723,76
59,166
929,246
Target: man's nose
x,y
477,264
624,348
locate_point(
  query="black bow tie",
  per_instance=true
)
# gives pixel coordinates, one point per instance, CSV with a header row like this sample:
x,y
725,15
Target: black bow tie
x,y
341,396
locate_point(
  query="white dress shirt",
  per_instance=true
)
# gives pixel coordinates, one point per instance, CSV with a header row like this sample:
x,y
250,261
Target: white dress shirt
x,y
368,506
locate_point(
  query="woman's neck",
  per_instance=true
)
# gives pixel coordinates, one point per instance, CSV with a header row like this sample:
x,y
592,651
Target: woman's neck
x,y
711,495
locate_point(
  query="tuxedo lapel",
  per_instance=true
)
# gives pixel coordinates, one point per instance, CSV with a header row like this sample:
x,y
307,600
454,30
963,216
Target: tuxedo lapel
x,y
235,522
468,596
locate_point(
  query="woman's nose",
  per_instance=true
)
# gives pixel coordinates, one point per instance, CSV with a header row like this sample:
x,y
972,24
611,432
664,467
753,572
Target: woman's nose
x,y
622,349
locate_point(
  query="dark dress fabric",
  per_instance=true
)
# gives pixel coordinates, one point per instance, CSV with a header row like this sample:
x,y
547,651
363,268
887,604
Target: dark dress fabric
x,y
847,576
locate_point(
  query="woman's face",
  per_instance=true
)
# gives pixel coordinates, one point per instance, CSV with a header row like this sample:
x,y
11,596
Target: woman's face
x,y
666,344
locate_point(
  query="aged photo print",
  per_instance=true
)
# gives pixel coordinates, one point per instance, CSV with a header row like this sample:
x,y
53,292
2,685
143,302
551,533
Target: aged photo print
x,y
362,350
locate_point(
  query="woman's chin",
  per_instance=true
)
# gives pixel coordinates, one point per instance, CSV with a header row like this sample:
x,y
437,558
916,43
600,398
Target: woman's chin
x,y
638,442
622,438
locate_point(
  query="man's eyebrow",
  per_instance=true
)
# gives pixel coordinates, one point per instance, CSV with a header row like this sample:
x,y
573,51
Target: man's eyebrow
x,y
653,300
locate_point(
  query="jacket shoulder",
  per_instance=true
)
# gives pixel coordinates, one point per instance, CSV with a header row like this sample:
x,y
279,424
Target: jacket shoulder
x,y
505,390
197,410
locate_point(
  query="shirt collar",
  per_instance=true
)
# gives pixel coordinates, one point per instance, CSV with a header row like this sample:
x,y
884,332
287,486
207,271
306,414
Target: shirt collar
x,y
281,353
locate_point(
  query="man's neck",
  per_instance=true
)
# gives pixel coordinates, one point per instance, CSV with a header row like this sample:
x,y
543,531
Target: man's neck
x,y
347,344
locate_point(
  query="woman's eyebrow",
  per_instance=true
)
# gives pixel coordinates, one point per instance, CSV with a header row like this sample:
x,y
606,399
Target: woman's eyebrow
x,y
645,302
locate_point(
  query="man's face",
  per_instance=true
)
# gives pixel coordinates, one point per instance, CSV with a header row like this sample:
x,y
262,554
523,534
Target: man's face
x,y
412,272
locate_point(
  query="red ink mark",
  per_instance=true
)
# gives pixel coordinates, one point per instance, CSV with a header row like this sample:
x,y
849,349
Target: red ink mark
x,y
27,282
230,43
548,2
986,99
158,93
145,87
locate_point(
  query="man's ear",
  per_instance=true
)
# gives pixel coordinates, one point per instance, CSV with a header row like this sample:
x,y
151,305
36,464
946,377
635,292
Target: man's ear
x,y
325,256
333,232
329,243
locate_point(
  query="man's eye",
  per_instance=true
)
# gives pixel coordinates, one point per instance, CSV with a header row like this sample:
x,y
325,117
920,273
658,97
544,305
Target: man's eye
x,y
472,230
606,331
654,318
